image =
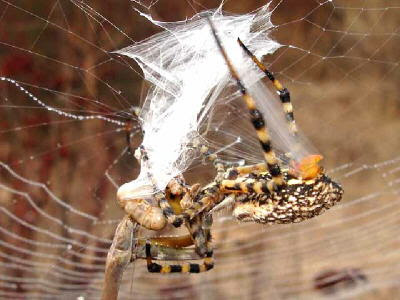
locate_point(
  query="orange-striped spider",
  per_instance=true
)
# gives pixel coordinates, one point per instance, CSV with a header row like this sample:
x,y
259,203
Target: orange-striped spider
x,y
263,193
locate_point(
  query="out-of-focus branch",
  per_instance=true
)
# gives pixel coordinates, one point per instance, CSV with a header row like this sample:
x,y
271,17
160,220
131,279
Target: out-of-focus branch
x,y
118,258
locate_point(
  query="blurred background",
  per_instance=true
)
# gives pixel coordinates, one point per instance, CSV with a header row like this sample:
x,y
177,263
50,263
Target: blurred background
x,y
59,173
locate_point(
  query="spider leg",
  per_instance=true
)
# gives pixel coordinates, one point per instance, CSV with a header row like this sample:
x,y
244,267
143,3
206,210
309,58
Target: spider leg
x,y
207,224
168,212
283,92
246,186
226,203
214,197
257,120
169,200
167,248
206,199
208,263
176,198
233,173
199,228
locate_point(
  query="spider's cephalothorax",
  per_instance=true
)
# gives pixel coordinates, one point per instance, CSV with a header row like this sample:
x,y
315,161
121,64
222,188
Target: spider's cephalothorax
x,y
299,200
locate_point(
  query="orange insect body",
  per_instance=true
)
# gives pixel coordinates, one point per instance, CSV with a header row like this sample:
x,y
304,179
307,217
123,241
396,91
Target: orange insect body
x,y
308,167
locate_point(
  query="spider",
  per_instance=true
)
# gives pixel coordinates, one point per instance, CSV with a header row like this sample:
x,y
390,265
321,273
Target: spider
x,y
264,193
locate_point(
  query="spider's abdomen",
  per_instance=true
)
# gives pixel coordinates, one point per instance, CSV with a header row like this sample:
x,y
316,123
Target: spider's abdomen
x,y
298,201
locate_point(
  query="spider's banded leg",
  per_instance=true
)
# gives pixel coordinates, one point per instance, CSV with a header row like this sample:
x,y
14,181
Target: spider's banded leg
x,y
257,120
283,92
233,173
207,224
246,186
208,264
177,197
199,228
309,164
200,235
160,252
200,232
207,198
167,210
228,201
175,190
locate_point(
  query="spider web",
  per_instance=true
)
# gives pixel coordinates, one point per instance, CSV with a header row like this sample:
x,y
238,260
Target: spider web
x,y
64,151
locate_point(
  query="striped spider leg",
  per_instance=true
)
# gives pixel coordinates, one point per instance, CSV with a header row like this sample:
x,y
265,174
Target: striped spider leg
x,y
126,248
267,193
199,226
